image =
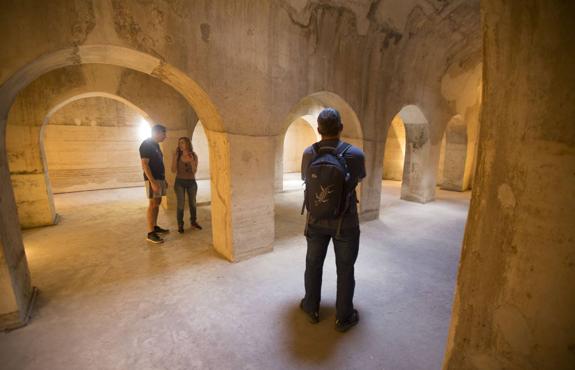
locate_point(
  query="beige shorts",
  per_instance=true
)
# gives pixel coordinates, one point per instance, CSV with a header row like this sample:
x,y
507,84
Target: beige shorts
x,y
160,193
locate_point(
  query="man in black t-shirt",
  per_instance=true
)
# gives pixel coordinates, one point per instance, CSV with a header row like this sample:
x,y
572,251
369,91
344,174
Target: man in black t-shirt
x,y
155,180
344,233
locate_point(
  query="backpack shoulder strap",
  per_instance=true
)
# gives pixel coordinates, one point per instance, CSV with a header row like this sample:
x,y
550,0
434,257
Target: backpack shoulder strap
x,y
316,148
342,148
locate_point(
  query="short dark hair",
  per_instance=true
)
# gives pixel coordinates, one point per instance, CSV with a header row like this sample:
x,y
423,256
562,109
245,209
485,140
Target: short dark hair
x,y
329,122
158,128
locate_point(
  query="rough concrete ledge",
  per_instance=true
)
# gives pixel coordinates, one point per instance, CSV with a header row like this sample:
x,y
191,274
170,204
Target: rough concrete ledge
x,y
238,257
14,320
369,215
452,187
417,199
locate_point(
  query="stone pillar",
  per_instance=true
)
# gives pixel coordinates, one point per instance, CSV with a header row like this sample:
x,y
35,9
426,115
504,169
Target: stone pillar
x,y
16,293
242,178
456,166
514,306
252,178
370,188
29,178
418,182
279,163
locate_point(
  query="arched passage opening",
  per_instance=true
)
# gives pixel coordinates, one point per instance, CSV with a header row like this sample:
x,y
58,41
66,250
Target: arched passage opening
x,y
394,157
20,292
299,135
299,130
201,148
409,154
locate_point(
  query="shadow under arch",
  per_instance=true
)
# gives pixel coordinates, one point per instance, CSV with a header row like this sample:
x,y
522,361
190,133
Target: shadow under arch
x,y
418,179
20,294
309,108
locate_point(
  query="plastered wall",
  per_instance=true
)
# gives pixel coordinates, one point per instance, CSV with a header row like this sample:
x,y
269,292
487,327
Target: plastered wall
x,y
93,144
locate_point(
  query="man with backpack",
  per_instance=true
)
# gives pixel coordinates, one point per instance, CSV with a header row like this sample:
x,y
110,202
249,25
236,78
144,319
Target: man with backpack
x,y
331,170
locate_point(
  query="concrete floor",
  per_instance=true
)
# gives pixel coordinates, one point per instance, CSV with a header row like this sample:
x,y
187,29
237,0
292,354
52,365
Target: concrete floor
x,y
109,300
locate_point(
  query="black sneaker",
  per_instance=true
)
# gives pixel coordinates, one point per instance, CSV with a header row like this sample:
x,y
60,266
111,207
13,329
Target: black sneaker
x,y
345,325
154,238
312,317
181,229
159,230
196,225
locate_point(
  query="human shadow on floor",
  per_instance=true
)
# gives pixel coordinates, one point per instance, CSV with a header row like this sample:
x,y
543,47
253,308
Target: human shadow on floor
x,y
312,343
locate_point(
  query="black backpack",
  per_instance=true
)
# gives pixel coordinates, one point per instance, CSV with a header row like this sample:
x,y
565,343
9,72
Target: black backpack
x,y
328,185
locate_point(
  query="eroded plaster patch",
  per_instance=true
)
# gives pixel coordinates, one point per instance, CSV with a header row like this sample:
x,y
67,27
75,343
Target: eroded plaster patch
x,y
506,197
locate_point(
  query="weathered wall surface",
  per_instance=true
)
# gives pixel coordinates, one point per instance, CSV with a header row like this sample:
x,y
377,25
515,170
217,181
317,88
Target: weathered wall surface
x,y
514,306
93,144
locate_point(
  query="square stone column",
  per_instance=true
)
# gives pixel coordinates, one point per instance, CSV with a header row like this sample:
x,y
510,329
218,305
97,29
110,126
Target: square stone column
x,y
252,163
16,292
28,175
369,193
419,170
242,184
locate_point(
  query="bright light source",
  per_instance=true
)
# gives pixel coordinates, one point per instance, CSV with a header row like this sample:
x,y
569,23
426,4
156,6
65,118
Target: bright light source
x,y
144,130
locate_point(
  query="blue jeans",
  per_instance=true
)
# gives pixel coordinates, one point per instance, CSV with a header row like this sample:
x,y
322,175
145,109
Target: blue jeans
x,y
181,187
346,247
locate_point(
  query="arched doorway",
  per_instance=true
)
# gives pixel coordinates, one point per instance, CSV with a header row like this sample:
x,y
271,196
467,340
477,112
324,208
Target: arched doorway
x,y
299,130
21,293
299,135
409,154
309,108
202,149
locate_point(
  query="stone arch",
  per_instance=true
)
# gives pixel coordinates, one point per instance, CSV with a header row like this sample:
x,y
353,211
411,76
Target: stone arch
x,y
46,94
29,209
418,179
457,164
310,107
13,253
